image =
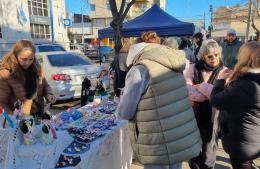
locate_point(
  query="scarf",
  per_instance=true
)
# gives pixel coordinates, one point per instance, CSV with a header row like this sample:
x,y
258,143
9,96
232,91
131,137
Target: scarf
x,y
30,85
203,110
202,65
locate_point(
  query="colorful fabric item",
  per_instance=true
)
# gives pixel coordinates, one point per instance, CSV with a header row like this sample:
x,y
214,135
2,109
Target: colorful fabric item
x,y
66,161
77,148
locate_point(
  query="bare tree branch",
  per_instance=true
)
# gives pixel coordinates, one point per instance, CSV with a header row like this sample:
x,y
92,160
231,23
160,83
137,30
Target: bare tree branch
x,y
126,10
257,8
122,7
253,23
113,8
118,18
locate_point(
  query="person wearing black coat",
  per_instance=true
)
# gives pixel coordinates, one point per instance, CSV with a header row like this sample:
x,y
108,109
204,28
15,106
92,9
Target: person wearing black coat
x,y
238,98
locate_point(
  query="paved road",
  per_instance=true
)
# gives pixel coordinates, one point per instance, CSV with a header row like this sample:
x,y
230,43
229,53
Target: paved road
x,y
222,161
60,106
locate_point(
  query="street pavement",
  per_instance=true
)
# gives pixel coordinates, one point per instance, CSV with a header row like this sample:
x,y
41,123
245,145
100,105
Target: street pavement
x,y
221,163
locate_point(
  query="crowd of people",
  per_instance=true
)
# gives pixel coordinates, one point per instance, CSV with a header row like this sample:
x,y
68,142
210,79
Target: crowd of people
x,y
178,100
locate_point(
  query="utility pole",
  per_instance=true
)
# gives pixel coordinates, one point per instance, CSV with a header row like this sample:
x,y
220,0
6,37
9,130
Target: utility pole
x,y
248,19
52,25
82,25
204,21
211,19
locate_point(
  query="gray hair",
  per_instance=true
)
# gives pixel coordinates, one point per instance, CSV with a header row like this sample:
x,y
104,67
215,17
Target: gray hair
x,y
171,42
206,48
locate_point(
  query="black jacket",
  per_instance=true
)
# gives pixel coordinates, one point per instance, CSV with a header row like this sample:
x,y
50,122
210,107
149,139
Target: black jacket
x,y
240,115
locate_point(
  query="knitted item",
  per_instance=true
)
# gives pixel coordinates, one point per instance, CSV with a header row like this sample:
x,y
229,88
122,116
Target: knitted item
x,y
47,136
27,126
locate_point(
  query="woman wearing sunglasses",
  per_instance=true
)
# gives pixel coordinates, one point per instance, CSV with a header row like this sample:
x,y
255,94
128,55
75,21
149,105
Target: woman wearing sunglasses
x,y
21,79
200,78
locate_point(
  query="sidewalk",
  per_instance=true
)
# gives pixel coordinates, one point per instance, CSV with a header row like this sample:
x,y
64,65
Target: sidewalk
x,y
222,161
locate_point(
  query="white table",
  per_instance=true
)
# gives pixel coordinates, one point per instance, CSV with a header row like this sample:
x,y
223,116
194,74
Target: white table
x,y
111,151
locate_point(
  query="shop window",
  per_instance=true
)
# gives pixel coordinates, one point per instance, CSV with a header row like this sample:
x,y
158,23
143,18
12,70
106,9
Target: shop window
x,y
92,7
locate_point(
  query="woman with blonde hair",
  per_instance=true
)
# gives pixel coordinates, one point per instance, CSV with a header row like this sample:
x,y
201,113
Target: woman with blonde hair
x,y
239,99
21,79
200,78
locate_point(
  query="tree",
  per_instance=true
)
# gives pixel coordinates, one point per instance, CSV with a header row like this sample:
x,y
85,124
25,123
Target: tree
x,y
256,14
118,18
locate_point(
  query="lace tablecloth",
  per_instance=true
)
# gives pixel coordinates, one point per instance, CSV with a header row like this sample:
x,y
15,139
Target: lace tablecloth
x,y
111,151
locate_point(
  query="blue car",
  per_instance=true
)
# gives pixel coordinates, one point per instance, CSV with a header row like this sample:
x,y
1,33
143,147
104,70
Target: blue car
x,y
106,52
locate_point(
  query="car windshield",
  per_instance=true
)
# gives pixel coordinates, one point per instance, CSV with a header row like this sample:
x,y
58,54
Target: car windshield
x,y
68,59
50,48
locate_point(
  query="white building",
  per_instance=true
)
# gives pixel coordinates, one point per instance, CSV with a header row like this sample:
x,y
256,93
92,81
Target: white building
x,y
31,19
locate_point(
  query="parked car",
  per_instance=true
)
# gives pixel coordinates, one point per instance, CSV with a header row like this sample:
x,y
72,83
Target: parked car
x,y
106,53
49,47
92,53
65,72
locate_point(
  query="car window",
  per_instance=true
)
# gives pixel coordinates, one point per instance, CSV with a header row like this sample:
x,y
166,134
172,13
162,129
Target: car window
x,y
60,60
50,48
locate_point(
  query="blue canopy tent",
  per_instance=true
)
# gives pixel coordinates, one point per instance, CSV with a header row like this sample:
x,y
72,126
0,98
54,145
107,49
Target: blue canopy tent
x,y
154,19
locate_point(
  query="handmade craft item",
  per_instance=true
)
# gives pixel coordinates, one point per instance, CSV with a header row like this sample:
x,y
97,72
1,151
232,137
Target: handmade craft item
x,y
47,135
77,148
66,161
27,126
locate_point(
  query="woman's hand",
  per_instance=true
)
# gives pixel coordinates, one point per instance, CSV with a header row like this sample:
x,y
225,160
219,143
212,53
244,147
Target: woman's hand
x,y
225,74
51,98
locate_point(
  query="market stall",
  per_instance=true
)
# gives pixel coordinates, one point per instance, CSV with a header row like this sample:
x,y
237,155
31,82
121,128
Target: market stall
x,y
86,138
168,25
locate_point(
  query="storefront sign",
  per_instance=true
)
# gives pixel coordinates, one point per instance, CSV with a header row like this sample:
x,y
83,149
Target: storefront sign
x,y
67,22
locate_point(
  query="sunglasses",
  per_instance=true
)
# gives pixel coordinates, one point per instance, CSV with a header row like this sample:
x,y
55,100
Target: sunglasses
x,y
26,59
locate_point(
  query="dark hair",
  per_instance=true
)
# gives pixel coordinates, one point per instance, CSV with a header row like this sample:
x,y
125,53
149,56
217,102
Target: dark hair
x,y
198,35
184,43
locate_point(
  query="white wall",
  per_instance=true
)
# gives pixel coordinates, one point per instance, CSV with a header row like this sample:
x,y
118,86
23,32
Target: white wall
x,y
12,30
60,33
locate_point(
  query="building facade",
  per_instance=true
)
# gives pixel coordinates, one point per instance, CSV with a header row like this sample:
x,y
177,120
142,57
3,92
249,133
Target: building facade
x,y
38,20
79,28
233,17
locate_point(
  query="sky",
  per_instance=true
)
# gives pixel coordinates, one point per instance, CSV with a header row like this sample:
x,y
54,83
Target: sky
x,y
186,10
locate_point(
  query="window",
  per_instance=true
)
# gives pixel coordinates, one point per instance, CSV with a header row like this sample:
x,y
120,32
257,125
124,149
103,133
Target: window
x,y
1,32
92,7
108,6
40,31
60,60
49,48
38,7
